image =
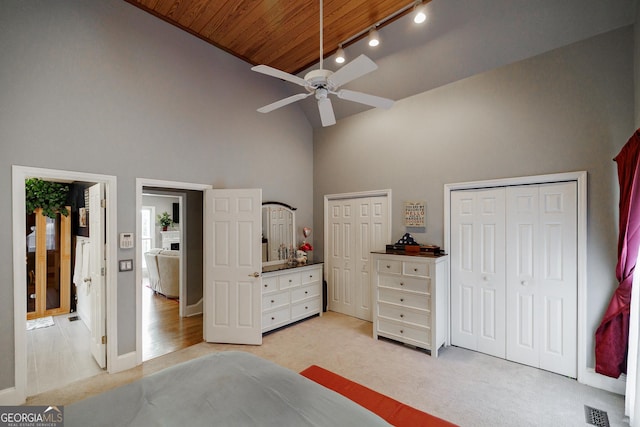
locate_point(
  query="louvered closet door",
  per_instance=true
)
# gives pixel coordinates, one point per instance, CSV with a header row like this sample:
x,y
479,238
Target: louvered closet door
x,y
478,271
541,276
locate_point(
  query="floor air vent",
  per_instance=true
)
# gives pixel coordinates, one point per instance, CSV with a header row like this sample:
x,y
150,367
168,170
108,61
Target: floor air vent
x,y
596,417
73,318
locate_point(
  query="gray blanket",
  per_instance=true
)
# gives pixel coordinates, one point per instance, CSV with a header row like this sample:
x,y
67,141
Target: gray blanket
x,y
222,389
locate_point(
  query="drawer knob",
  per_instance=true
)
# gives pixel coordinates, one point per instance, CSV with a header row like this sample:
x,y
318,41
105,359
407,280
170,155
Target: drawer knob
x,y
401,284
289,280
402,315
273,318
265,285
272,301
401,299
388,266
306,308
401,331
306,292
415,269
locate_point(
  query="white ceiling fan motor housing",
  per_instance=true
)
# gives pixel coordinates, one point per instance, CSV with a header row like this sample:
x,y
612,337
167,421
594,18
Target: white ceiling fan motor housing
x,y
318,78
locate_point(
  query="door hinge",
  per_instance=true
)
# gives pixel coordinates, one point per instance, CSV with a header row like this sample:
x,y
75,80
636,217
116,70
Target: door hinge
x,y
102,271
104,339
103,203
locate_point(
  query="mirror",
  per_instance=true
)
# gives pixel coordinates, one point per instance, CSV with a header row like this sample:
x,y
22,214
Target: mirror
x,y
278,232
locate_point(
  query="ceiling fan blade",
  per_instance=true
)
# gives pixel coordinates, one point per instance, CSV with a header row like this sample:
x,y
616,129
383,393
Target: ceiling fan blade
x,y
364,98
357,68
283,102
326,112
274,72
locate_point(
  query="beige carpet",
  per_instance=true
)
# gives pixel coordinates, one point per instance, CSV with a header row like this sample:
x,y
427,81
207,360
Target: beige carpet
x,y
461,386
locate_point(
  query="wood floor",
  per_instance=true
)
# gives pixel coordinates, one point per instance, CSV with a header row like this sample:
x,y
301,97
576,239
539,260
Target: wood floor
x,y
163,330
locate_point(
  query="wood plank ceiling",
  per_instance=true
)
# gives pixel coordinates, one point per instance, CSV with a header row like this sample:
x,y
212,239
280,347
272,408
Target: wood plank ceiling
x,y
284,34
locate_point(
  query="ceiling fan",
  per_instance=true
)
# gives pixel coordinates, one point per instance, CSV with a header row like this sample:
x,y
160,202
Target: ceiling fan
x,y
322,83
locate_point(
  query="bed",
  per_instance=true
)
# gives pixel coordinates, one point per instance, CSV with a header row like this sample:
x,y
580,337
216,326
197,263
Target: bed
x,y
230,388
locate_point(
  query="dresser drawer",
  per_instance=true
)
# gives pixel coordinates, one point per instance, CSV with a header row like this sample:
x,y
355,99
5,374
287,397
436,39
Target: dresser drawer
x,y
275,318
389,266
289,280
419,269
406,283
304,292
275,300
311,276
269,284
421,301
404,314
304,309
403,332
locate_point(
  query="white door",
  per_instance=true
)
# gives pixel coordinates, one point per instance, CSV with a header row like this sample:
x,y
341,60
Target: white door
x,y
371,227
233,265
541,276
97,293
356,227
477,270
341,261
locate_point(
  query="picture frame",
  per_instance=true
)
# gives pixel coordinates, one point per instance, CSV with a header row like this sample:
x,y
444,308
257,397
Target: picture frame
x,y
414,213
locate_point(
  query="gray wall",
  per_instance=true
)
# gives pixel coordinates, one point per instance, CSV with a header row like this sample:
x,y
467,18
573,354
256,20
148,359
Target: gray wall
x,y
103,87
566,110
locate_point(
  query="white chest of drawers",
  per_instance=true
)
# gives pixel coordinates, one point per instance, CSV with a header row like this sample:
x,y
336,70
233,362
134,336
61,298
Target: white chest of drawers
x,y
290,295
411,299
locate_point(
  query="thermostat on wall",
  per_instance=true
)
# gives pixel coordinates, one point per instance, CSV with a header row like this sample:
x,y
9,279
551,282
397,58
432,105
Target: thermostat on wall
x,y
126,240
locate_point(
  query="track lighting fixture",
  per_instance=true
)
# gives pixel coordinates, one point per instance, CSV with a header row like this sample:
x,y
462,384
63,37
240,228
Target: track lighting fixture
x,y
420,13
374,39
340,57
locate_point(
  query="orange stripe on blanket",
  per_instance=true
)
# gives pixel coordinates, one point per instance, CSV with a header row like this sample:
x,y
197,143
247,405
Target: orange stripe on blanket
x,y
394,412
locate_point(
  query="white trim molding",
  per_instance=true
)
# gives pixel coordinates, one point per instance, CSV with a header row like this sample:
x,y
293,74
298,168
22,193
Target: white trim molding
x,y
19,175
586,375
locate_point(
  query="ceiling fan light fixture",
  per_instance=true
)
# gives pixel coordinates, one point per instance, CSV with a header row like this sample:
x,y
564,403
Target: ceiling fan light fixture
x,y
374,39
340,57
420,13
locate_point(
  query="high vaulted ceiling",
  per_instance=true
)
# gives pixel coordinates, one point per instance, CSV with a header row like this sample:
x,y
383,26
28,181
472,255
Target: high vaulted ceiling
x,y
284,34
460,38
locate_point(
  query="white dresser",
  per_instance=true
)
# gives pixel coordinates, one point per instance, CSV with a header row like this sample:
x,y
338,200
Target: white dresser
x,y
291,294
411,299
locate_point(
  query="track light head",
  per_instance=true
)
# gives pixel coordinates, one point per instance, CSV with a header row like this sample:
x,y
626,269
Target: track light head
x,y
374,39
340,57
420,13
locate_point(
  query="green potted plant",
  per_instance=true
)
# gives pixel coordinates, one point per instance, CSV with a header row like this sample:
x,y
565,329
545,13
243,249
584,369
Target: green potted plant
x,y
49,196
165,220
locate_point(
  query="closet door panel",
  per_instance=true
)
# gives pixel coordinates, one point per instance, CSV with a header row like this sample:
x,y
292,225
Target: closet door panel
x,y
477,274
558,281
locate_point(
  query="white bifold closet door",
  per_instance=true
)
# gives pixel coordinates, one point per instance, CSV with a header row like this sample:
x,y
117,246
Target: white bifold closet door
x,y
542,290
478,270
356,227
514,273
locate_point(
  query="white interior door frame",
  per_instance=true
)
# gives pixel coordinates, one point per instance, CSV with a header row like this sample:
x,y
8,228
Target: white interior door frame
x,y
585,375
19,175
355,195
157,183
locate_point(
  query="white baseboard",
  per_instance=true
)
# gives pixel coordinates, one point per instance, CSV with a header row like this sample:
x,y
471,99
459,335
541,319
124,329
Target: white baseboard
x,y
194,309
10,397
123,362
614,385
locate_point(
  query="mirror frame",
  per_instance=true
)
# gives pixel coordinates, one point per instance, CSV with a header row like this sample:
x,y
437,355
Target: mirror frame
x,y
293,225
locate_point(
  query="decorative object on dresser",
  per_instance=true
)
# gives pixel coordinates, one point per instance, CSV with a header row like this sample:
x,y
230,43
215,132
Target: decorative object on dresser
x,y
410,298
290,294
165,220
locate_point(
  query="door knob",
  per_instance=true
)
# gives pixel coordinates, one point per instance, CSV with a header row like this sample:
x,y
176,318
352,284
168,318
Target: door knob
x,y
255,274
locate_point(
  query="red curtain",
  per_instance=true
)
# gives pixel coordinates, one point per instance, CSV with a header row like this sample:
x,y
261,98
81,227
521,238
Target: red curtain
x,y
612,336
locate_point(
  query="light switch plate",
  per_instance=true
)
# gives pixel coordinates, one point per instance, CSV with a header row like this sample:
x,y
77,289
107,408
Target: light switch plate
x,y
126,264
